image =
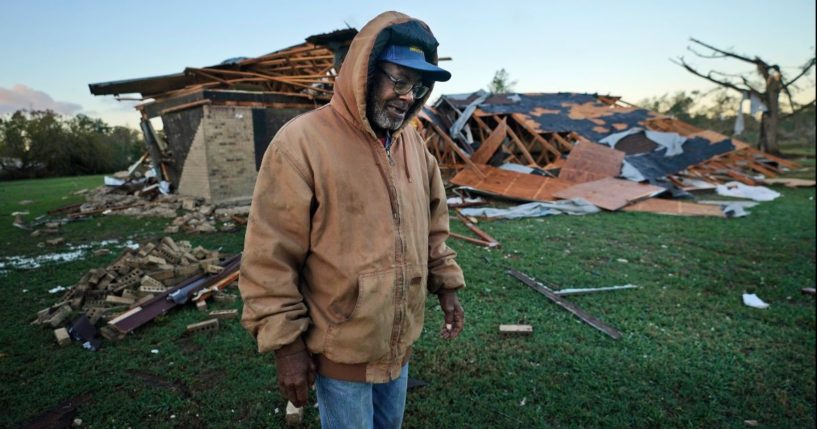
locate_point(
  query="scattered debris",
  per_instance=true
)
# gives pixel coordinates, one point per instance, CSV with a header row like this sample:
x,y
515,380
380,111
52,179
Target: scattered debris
x,y
55,241
207,325
675,207
138,286
575,291
752,300
576,206
484,239
62,337
739,190
567,305
295,415
224,314
516,329
18,220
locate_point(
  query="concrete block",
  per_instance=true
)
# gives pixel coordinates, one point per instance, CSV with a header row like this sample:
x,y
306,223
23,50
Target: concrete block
x,y
62,337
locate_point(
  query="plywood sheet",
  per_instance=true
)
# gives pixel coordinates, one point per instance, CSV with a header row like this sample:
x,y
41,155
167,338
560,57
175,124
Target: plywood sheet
x,y
674,207
609,193
510,184
589,162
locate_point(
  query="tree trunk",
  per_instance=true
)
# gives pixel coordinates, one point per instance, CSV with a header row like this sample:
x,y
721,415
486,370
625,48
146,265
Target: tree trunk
x,y
769,120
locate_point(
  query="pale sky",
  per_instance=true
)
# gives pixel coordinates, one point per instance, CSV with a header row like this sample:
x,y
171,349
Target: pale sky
x,y
51,50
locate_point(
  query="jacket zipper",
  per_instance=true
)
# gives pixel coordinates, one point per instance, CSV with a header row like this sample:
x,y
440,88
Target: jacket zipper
x,y
398,316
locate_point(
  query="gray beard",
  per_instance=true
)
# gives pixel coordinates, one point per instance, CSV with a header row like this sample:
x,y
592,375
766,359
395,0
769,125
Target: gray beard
x,y
381,118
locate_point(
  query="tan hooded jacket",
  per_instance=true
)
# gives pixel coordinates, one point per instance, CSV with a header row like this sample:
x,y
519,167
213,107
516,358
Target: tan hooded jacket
x,y
343,240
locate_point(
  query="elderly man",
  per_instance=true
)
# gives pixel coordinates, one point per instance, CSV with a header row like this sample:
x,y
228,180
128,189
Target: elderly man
x,y
347,234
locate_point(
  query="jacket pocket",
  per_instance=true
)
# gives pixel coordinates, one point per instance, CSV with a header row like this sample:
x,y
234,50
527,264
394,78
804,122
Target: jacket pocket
x,y
415,308
366,335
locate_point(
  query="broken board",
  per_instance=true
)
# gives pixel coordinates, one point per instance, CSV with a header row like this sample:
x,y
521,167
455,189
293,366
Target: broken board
x,y
589,162
510,184
675,207
610,193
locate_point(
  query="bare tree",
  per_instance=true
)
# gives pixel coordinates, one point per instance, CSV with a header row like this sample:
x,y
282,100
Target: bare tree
x,y
773,83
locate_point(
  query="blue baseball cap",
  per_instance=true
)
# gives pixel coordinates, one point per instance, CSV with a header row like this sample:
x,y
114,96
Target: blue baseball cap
x,y
414,58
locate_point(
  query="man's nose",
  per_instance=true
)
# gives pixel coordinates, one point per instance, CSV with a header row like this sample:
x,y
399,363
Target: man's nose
x,y
407,97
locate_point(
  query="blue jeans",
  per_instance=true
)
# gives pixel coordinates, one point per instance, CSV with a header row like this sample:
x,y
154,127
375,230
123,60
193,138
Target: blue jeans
x,y
349,404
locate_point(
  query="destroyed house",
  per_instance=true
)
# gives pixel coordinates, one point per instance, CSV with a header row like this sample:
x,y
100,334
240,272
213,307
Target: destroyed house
x,y
218,120
521,146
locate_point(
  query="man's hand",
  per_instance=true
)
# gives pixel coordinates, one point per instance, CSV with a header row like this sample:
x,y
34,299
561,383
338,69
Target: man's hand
x,y
296,372
454,316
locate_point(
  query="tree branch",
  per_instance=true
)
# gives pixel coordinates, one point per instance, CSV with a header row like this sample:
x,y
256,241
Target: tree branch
x,y
748,85
788,95
755,61
805,70
708,76
799,109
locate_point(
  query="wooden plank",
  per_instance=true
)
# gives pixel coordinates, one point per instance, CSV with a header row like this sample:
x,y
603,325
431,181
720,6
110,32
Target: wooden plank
x,y
567,305
522,121
490,145
522,148
515,329
589,162
565,144
456,149
472,240
576,291
674,207
480,233
609,194
510,184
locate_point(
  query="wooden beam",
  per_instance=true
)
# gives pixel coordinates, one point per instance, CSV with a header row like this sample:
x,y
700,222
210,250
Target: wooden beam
x,y
538,138
490,145
457,149
567,305
522,148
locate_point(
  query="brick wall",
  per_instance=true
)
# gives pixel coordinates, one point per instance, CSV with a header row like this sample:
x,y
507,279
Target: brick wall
x,y
195,179
228,133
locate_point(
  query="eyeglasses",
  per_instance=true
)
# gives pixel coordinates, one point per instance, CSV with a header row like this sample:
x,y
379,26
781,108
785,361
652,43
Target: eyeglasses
x,y
402,87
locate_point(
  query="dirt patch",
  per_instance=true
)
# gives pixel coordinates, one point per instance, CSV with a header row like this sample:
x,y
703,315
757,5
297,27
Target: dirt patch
x,y
156,381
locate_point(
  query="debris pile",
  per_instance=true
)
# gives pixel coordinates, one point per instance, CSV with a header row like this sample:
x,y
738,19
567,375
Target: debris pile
x,y
161,273
190,214
589,148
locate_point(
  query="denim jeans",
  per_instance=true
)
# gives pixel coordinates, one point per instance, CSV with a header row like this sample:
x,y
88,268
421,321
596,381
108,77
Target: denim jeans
x,y
349,404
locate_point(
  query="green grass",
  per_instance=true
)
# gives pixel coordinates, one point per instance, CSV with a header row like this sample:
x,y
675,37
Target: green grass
x,y
691,356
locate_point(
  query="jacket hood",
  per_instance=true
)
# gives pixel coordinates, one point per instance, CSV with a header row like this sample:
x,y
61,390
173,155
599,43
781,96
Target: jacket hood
x,y
352,82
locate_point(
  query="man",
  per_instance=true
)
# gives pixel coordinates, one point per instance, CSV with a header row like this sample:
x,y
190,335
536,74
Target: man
x,y
347,234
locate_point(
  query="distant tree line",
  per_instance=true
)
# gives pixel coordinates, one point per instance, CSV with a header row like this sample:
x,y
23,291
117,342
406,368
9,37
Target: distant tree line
x,y
42,143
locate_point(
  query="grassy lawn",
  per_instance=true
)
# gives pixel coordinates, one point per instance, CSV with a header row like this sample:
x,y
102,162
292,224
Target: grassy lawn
x,y
691,356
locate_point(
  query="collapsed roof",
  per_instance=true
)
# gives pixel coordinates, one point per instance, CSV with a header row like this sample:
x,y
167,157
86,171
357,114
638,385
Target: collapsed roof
x,y
523,146
305,70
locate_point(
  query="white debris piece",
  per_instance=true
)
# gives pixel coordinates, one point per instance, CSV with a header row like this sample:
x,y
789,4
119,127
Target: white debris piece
x,y
752,300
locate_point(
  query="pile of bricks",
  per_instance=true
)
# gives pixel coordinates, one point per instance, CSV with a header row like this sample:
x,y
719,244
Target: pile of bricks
x,y
132,279
190,214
